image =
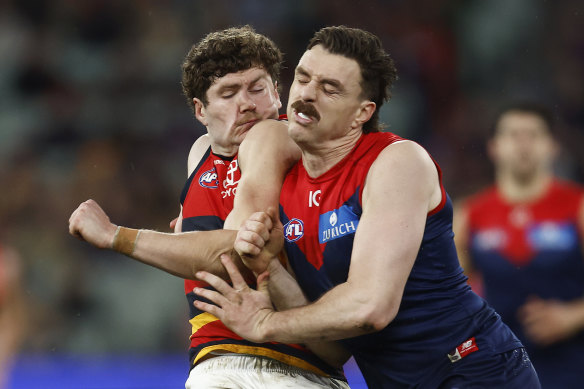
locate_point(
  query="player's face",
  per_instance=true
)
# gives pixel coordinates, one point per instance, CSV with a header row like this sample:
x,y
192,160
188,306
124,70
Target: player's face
x,y
236,102
523,145
325,98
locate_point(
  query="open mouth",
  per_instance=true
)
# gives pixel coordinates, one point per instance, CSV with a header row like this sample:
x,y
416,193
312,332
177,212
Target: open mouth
x,y
304,113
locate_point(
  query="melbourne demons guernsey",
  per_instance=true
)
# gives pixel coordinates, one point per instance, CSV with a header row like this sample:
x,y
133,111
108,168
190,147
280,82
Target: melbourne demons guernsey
x,y
439,314
207,199
532,249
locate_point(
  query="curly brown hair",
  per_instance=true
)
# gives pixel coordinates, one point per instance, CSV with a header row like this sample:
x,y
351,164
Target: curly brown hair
x,y
378,70
223,52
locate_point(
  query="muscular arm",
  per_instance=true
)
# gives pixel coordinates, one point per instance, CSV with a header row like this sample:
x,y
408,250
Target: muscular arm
x,y
180,254
395,208
264,158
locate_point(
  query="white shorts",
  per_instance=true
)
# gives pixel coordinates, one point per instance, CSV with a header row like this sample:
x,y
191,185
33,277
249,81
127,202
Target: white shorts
x,y
242,371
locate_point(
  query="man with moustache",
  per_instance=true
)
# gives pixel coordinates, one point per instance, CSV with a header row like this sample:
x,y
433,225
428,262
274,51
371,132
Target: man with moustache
x,y
230,81
367,226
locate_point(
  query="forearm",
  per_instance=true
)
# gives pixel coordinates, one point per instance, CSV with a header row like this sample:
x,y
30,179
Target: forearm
x,y
341,313
286,294
184,254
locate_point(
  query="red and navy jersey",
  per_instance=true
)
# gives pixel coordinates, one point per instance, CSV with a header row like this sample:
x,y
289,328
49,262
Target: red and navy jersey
x,y
207,199
438,312
532,249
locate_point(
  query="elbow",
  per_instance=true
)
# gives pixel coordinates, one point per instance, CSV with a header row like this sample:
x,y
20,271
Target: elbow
x,y
375,317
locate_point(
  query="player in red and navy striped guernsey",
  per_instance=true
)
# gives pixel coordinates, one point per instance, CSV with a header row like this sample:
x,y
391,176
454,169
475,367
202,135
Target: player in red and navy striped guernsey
x,y
368,229
523,237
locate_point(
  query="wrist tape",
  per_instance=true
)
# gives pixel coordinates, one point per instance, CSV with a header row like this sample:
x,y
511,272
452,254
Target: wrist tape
x,y
125,240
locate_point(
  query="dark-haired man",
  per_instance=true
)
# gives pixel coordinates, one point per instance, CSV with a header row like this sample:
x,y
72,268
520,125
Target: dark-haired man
x,y
368,234
523,238
230,82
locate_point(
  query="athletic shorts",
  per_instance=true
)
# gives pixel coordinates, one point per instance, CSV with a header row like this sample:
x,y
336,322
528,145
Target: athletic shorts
x,y
509,370
235,371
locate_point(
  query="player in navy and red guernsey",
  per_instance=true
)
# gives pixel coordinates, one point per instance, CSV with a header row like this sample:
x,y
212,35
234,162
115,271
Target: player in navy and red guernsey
x,y
368,230
229,79
522,238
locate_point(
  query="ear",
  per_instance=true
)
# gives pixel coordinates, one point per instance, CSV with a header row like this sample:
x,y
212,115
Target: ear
x,y
364,113
277,95
200,112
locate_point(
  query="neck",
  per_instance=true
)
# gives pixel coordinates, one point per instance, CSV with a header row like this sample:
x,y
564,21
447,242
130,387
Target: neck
x,y
224,151
318,160
520,191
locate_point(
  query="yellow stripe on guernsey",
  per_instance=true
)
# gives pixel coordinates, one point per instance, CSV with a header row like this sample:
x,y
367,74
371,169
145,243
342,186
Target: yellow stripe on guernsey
x,y
204,318
200,320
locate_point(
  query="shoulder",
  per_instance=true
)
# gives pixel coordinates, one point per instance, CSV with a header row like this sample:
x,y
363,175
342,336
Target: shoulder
x,y
268,138
405,156
405,165
198,150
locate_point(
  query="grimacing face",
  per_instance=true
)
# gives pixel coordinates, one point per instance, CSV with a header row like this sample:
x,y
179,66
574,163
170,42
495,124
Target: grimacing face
x,y
325,100
522,145
236,102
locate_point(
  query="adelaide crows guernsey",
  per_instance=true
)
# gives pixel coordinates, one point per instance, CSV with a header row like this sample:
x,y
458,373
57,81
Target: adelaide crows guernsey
x,y
207,199
532,249
439,314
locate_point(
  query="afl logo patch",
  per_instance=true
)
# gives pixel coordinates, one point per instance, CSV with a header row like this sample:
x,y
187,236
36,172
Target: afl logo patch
x,y
294,230
209,179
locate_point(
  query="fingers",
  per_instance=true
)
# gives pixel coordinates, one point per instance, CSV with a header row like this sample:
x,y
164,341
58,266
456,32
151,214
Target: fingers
x,y
212,309
216,282
236,278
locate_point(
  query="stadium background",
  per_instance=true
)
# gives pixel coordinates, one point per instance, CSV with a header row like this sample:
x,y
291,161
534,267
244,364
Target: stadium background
x,y
91,107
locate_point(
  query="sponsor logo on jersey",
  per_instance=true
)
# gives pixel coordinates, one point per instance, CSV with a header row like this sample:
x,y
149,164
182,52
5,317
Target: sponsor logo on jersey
x,y
209,179
467,347
490,239
336,224
294,230
230,176
553,236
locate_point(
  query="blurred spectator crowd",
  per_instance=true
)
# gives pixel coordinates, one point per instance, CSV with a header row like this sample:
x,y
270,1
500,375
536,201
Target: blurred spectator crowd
x,y
91,107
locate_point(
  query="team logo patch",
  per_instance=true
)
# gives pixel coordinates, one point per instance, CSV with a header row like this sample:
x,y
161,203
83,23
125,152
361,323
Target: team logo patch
x,y
209,179
294,230
336,224
467,347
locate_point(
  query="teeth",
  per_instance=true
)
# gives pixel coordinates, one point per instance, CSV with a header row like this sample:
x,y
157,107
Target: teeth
x,y
303,116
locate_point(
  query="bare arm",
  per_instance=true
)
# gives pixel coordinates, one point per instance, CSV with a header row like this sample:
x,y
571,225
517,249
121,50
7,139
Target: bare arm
x,y
394,214
181,254
265,156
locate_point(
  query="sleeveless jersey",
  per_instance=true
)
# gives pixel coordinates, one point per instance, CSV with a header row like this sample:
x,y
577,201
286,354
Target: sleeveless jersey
x,y
207,199
438,315
532,249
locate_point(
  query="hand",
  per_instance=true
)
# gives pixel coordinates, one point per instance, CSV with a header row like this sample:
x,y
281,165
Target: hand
x,y
90,223
547,321
259,240
240,308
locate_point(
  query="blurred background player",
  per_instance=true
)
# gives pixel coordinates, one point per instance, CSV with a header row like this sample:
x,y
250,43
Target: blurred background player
x,y
523,238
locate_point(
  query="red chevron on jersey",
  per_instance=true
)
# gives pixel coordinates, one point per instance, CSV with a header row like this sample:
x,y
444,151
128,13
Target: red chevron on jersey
x,y
323,209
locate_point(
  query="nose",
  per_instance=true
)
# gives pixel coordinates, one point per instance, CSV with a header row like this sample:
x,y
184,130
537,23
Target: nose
x,y
308,91
246,103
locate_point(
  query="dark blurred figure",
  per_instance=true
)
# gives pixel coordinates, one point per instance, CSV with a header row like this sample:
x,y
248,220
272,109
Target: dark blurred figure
x,y
523,237
12,309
